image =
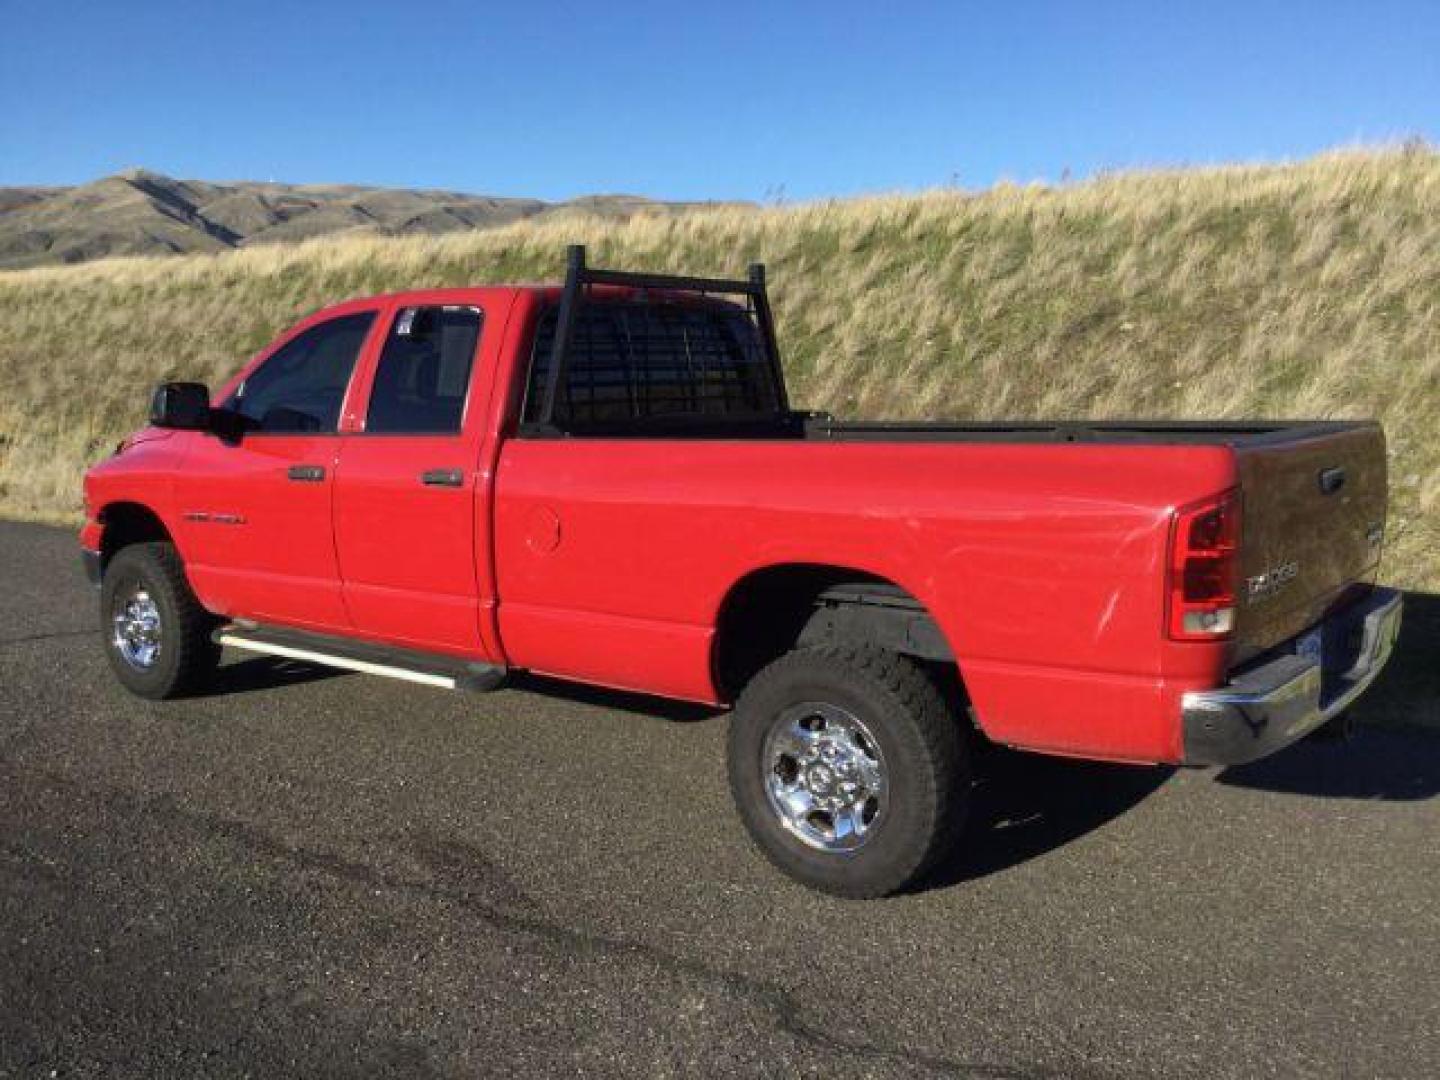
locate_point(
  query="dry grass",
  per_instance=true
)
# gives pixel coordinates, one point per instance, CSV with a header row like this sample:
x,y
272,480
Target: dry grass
x,y
1306,290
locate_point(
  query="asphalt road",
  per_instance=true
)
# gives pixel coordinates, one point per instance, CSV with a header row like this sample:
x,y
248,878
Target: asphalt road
x,y
312,874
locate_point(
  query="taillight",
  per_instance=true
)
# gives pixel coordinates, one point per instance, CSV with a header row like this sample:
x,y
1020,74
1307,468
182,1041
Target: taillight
x,y
1204,569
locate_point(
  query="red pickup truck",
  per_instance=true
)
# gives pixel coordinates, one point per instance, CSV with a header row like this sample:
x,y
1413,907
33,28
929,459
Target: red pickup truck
x,y
606,482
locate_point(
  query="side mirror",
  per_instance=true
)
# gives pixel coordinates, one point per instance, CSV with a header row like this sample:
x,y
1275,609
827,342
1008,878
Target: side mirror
x,y
183,405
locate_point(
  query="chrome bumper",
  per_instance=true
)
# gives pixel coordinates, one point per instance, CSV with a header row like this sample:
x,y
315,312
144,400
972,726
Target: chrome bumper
x,y
1271,706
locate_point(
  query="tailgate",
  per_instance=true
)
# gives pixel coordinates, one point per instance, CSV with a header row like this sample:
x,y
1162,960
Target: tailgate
x,y
1313,521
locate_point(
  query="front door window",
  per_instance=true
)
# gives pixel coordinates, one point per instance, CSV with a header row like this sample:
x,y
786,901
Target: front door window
x,y
300,387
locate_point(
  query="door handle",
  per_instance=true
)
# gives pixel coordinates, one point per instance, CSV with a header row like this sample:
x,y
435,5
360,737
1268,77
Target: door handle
x,y
306,473
443,477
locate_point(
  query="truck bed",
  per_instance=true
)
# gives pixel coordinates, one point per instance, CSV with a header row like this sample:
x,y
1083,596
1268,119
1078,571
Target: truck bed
x,y
1305,546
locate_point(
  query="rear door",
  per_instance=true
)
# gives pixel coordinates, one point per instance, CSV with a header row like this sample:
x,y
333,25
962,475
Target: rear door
x,y
411,505
595,583
255,505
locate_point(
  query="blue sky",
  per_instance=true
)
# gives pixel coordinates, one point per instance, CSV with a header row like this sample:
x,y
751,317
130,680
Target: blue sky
x,y
698,100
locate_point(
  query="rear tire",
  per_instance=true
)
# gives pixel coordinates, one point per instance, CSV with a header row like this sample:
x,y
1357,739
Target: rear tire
x,y
156,633
848,770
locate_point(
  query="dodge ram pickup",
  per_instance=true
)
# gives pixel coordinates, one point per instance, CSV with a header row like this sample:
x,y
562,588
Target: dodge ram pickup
x,y
605,481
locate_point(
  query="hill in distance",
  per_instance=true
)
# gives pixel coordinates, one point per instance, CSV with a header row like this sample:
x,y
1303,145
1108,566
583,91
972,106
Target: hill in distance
x,y
138,212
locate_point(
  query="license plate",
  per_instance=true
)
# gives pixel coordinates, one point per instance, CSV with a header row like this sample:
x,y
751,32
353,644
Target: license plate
x,y
1311,645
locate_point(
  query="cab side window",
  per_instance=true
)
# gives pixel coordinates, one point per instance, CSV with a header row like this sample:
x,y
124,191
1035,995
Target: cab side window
x,y
424,372
301,386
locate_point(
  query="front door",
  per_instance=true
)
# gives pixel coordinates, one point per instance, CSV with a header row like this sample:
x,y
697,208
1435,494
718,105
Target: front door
x,y
255,504
409,500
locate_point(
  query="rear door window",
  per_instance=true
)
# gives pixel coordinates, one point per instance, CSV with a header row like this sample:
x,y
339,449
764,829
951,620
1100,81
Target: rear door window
x,y
423,376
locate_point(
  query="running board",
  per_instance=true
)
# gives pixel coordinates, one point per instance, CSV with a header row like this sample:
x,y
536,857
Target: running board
x,y
430,669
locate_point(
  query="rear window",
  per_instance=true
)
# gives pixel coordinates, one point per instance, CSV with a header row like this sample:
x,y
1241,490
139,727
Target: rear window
x,y
424,372
632,362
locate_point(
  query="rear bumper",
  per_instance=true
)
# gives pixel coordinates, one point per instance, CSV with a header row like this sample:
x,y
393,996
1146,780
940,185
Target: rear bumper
x,y
1273,705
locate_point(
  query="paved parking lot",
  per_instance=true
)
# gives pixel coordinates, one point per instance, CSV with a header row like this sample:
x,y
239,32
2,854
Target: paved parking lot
x,y
311,873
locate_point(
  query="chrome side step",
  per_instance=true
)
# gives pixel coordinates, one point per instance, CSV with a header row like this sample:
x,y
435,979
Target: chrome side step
x,y
270,648
429,669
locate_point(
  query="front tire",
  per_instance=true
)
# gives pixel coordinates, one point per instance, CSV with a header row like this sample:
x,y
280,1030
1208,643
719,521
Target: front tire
x,y
849,771
156,633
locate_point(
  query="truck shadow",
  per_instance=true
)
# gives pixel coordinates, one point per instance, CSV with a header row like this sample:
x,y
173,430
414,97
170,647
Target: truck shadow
x,y
1407,695
1376,763
266,673
1395,751
1027,805
682,712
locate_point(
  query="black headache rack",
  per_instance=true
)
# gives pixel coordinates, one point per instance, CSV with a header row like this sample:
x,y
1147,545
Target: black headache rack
x,y
579,277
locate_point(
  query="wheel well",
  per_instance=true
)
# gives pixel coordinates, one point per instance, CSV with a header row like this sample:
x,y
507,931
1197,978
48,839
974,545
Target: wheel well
x,y
771,611
129,523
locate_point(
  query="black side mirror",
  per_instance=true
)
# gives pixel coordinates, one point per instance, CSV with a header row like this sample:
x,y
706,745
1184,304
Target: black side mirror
x,y
183,405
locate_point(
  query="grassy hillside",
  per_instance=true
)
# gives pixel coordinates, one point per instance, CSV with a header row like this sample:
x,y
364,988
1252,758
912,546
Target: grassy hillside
x,y
1308,290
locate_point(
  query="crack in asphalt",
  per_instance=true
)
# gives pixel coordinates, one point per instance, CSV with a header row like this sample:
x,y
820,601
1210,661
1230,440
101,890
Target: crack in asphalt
x,y
465,867
26,639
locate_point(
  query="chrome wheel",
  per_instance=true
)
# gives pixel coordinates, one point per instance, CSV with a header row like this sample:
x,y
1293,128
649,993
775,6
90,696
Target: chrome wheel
x,y
137,633
825,776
